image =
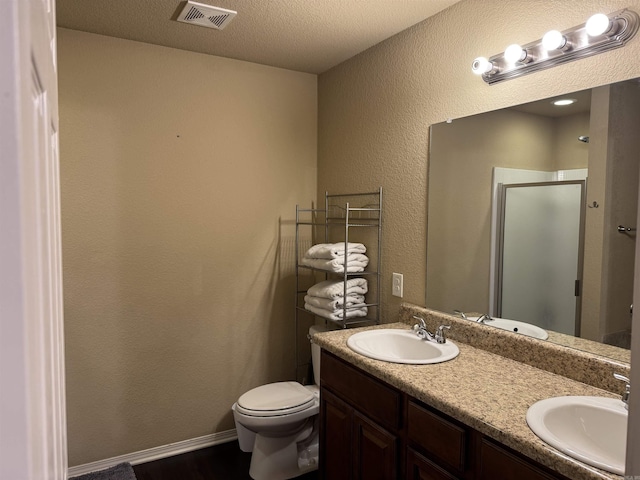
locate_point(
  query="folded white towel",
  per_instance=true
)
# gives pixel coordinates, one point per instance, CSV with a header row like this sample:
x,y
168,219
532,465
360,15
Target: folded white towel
x,y
334,250
351,301
356,262
337,314
336,288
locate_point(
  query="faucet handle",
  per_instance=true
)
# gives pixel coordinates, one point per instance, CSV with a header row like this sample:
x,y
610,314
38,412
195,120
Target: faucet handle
x,y
421,329
440,335
422,324
627,387
622,378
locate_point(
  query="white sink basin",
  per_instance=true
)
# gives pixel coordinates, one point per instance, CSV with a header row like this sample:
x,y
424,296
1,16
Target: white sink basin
x,y
401,346
590,429
516,326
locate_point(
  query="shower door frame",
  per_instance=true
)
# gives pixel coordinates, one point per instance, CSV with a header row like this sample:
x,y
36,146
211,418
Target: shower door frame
x,y
502,189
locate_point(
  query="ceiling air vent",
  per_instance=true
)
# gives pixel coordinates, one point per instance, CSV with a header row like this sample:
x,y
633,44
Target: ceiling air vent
x,y
205,15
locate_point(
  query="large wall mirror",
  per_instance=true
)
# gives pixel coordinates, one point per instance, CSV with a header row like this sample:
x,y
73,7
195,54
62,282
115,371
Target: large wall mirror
x,y
532,215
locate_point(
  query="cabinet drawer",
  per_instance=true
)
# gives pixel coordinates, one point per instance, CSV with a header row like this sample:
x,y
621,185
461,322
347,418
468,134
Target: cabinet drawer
x,y
440,437
421,468
378,401
498,462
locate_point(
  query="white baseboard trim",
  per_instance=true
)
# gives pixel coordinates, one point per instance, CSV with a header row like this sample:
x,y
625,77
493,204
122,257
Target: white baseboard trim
x,y
155,453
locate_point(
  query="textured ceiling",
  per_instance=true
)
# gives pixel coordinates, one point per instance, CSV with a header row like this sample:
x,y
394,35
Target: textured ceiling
x,y
303,35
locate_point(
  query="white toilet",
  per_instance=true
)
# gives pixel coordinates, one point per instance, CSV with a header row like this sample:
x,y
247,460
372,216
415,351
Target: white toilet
x,y
278,423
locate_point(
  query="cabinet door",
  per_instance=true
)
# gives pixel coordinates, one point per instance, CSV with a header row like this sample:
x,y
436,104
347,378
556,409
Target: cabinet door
x,y
376,451
420,468
335,437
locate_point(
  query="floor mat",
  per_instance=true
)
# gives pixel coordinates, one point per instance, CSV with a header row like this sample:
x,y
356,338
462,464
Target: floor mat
x,y
122,471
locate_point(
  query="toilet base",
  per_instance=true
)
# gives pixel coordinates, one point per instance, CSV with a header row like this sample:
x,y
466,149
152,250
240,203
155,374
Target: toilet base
x,y
281,458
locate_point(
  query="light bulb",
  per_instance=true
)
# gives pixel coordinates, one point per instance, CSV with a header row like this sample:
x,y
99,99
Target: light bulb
x,y
481,65
597,24
514,53
553,40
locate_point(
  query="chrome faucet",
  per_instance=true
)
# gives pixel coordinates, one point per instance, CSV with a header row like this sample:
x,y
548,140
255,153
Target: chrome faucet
x,y
484,318
481,319
422,332
627,388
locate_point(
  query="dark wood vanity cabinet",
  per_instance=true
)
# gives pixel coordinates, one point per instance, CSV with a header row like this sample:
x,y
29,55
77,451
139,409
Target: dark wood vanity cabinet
x,y
369,430
360,421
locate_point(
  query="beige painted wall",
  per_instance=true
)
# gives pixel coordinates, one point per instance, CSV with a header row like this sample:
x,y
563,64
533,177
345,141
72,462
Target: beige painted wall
x,y
375,109
180,173
568,151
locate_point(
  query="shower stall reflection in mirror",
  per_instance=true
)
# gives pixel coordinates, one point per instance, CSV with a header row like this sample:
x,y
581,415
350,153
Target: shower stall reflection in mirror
x,y
537,240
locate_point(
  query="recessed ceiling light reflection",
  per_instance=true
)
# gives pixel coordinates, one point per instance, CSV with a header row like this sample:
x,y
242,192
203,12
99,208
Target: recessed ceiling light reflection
x,y
564,102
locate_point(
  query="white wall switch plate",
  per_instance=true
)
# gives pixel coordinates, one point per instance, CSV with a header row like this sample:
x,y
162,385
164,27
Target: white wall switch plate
x,y
396,285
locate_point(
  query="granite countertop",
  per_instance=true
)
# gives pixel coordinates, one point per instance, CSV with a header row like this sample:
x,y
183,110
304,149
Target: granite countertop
x,y
596,348
483,390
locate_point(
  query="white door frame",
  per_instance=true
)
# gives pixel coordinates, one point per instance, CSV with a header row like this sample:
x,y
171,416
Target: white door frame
x,y
33,442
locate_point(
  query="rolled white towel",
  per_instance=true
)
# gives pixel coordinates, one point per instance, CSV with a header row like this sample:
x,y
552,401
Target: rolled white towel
x,y
356,262
334,250
351,301
335,288
337,314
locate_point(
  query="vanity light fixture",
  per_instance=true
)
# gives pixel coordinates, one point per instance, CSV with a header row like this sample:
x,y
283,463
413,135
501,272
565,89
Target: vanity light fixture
x,y
599,34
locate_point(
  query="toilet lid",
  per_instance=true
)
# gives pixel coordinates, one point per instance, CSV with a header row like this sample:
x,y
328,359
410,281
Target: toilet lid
x,y
277,399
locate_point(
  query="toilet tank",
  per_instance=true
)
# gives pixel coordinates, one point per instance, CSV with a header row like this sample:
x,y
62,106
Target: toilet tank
x,y
315,352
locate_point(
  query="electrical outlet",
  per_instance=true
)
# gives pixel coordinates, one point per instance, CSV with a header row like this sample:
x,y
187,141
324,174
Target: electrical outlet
x,y
396,285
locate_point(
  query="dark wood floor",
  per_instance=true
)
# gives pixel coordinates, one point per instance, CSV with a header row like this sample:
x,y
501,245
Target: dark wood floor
x,y
220,462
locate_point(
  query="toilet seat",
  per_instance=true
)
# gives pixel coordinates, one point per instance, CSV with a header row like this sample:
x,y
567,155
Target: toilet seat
x,y
276,399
